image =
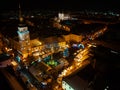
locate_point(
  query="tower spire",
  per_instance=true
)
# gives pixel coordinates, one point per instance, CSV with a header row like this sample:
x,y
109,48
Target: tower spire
x,y
20,13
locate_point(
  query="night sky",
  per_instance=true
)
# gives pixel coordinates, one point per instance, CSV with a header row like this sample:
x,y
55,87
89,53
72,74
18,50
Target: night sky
x,y
60,4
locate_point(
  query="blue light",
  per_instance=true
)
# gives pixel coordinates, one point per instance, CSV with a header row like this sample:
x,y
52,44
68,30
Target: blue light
x,y
18,58
80,46
46,59
23,32
66,52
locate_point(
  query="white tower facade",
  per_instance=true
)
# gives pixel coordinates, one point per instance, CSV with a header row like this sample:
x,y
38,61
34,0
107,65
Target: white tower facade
x,y
24,40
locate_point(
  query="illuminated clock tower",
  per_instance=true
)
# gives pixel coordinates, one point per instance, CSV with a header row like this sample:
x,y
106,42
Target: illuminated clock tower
x,y
23,36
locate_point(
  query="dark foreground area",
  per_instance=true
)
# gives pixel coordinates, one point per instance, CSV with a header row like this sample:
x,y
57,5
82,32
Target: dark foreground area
x,y
4,85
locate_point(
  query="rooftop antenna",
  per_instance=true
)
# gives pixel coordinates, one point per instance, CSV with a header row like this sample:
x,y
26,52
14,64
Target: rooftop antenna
x,y
20,13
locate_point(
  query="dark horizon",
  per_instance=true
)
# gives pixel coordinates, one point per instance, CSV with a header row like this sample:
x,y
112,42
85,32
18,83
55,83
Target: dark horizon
x,y
60,5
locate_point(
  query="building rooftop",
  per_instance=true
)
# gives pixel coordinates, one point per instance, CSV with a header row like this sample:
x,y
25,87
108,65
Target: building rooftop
x,y
37,69
76,82
53,39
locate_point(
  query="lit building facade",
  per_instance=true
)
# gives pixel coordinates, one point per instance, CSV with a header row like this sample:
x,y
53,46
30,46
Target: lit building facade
x,y
47,46
63,16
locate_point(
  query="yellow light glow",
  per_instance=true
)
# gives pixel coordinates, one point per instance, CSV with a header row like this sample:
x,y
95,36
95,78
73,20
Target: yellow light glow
x,y
14,63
